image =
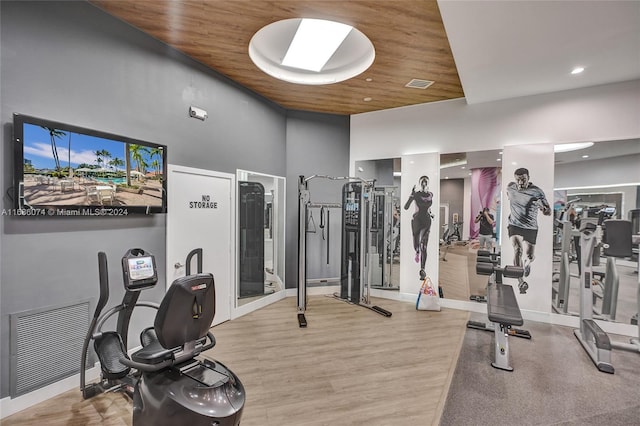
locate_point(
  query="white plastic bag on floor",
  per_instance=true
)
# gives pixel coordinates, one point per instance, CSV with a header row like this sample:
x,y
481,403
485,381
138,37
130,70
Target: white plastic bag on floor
x,y
428,299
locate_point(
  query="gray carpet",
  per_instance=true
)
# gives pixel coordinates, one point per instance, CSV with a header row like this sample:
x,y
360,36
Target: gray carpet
x,y
554,382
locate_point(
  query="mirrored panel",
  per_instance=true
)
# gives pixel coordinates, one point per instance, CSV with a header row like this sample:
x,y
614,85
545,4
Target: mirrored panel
x,y
384,225
593,184
261,210
469,216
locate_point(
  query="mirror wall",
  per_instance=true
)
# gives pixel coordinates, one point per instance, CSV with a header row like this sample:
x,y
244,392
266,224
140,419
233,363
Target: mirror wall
x,y
384,252
601,181
458,243
261,239
605,175
469,181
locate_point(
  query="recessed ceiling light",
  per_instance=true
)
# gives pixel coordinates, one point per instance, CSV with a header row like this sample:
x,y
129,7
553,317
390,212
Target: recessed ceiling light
x,y
463,167
368,79
367,99
500,153
577,70
585,156
498,159
566,147
446,177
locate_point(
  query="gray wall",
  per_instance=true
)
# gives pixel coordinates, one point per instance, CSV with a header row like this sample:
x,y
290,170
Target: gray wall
x,y
71,62
607,171
380,170
316,145
452,192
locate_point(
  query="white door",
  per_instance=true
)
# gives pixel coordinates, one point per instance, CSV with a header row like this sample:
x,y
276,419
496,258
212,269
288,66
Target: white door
x,y
201,212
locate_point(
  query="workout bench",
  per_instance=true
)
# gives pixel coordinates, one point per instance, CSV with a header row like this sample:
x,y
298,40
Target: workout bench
x,y
502,309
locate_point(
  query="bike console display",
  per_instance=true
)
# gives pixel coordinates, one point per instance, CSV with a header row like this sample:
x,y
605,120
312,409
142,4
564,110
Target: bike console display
x,y
139,270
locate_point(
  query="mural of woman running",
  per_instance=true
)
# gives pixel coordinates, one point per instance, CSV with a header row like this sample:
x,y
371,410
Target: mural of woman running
x,y
421,221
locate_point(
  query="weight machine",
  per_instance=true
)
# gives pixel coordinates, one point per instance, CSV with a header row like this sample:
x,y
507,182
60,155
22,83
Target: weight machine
x,y
385,237
562,281
355,283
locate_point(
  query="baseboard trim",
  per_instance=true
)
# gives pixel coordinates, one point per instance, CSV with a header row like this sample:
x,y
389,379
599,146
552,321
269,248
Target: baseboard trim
x,y
9,406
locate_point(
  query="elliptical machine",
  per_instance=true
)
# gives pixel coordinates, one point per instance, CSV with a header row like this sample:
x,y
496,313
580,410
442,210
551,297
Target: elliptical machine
x,y
167,384
593,339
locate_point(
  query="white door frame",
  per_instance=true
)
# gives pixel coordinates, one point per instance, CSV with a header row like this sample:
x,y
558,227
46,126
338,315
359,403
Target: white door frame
x,y
238,311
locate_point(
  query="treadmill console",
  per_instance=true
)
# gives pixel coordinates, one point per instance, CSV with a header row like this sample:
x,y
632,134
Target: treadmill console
x,y
139,270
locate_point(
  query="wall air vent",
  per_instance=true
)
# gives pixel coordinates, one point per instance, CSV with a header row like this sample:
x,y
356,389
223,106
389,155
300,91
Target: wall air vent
x,y
46,345
416,83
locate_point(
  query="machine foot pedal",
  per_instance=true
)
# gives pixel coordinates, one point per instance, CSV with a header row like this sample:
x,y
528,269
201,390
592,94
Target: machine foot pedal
x,y
302,321
90,391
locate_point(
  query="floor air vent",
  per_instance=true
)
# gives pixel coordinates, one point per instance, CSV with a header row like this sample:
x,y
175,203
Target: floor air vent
x,y
419,84
46,345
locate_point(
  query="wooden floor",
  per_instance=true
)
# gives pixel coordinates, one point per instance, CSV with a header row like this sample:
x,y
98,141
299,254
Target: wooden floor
x,y
350,366
454,277
458,277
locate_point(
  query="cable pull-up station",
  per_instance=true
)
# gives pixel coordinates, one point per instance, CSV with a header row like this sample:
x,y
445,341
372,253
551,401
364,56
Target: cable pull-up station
x,y
354,283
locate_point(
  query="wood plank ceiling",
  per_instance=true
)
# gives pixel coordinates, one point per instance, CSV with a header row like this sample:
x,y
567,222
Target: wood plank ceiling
x,y
408,36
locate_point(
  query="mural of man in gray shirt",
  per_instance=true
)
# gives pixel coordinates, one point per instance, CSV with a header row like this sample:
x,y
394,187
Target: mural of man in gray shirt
x,y
526,199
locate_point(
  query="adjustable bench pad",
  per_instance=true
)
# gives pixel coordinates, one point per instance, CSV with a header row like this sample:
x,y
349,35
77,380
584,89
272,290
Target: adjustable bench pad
x,y
502,305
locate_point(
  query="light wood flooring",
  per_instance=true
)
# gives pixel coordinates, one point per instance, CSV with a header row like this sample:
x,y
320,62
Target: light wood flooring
x,y
350,366
458,277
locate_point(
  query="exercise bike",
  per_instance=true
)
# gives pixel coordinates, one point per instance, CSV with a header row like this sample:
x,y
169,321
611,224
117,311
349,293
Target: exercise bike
x,y
165,381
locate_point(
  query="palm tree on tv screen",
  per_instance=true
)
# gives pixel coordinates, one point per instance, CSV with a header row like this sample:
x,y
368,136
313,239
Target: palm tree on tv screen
x,y
69,172
105,154
137,152
99,159
116,162
53,135
156,163
101,155
127,162
156,166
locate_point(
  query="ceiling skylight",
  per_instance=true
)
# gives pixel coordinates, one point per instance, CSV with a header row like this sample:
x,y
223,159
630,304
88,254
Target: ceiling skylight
x,y
311,51
315,42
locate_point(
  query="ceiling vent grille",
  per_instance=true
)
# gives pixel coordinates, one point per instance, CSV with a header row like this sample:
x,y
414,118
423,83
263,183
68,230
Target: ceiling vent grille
x,y
416,83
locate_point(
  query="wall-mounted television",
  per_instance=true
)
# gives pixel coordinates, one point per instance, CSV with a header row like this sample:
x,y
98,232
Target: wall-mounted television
x,y
66,170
